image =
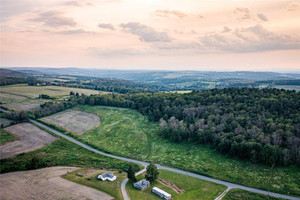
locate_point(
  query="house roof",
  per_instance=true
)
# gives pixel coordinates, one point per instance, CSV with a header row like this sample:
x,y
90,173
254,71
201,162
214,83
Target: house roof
x,y
143,182
107,174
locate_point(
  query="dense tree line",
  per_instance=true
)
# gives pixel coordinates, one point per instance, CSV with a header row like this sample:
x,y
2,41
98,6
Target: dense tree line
x,y
262,125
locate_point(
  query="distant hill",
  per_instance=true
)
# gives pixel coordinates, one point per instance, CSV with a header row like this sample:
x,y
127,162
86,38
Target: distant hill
x,y
11,73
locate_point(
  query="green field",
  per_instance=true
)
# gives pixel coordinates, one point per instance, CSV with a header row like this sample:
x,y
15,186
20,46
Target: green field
x,y
127,133
61,153
194,189
237,194
6,137
112,188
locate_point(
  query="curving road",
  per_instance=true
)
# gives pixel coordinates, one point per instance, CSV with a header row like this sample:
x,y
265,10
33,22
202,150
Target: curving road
x,y
229,185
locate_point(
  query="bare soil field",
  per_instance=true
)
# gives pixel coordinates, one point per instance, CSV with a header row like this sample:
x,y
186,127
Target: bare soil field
x,y
30,138
35,91
45,184
4,122
75,121
31,105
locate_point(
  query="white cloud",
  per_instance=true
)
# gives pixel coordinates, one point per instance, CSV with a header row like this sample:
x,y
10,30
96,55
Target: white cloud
x,y
106,26
146,33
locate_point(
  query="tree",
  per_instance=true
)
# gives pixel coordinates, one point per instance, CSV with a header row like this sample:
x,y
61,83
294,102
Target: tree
x,y
151,172
71,93
131,174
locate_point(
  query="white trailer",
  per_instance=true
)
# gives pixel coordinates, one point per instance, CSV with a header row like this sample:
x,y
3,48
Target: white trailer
x,y
161,193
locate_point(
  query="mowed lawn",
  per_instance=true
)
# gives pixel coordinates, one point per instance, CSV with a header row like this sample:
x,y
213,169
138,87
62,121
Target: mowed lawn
x,y
112,188
35,91
194,189
126,132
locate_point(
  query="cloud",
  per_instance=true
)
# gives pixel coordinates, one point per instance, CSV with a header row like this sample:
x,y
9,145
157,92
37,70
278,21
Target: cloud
x,y
226,29
54,19
72,3
168,13
252,39
146,33
262,17
243,13
99,52
293,6
72,32
106,26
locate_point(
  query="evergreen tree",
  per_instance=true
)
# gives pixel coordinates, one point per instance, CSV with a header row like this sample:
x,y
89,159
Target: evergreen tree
x,y
131,174
151,172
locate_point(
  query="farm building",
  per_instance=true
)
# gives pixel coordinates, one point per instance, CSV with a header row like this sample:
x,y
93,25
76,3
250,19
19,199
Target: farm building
x,y
161,193
142,184
107,176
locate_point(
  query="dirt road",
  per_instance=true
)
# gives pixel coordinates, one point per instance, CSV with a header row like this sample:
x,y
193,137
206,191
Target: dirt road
x,y
45,184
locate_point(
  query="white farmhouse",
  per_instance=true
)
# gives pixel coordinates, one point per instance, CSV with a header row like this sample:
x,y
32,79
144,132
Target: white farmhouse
x,y
107,176
161,193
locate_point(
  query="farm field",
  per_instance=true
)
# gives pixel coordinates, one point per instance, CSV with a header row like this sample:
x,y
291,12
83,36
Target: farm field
x,y
30,105
74,120
4,122
194,189
237,194
29,138
127,133
10,98
35,91
61,153
46,184
112,188
6,137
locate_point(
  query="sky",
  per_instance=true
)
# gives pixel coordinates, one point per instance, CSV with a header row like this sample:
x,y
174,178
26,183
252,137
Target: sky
x,y
221,35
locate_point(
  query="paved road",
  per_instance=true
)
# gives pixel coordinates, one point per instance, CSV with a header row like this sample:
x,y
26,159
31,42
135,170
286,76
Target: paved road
x,y
230,185
124,182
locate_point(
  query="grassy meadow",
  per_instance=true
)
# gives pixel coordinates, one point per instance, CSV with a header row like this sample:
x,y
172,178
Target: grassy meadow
x,y
194,189
112,188
6,137
238,194
61,153
127,133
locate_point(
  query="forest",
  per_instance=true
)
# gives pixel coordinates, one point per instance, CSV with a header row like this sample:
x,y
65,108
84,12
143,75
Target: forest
x,y
261,125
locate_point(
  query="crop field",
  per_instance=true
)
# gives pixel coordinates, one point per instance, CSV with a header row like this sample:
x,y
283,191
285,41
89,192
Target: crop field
x,y
194,189
74,120
30,105
10,98
127,133
35,91
29,138
112,188
237,194
6,137
4,122
46,184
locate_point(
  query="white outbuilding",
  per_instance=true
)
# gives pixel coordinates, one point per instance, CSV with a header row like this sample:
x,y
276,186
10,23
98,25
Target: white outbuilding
x,y
107,176
161,193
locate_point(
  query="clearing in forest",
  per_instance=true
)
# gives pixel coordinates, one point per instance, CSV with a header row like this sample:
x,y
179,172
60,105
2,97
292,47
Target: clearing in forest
x,y
46,184
74,120
30,138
